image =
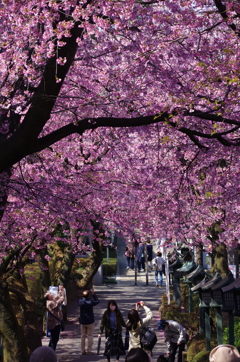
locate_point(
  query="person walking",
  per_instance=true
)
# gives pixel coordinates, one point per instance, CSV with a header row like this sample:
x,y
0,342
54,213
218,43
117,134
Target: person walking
x,y
159,266
130,255
55,316
112,321
141,257
135,324
149,254
86,303
175,337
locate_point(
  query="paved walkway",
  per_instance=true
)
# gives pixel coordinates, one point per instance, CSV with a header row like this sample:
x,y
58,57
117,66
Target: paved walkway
x,y
126,292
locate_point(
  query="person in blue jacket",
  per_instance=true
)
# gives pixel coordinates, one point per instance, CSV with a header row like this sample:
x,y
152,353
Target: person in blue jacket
x,y
86,303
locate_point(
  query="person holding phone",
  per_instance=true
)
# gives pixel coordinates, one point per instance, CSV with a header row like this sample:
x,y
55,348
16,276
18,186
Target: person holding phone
x,y
135,324
53,306
86,303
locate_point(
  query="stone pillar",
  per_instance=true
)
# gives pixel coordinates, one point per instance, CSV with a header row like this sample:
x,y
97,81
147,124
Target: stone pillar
x,y
98,277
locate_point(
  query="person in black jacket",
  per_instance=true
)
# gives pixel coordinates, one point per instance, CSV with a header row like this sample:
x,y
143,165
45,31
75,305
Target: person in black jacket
x,y
141,257
149,254
86,304
112,321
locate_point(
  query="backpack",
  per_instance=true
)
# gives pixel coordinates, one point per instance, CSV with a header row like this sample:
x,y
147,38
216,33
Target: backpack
x,y
148,338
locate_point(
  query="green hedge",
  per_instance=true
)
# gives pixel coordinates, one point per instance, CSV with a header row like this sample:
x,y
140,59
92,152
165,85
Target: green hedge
x,y
236,333
109,268
202,356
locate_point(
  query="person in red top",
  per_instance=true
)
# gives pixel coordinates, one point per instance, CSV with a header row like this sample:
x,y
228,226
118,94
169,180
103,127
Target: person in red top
x,y
130,255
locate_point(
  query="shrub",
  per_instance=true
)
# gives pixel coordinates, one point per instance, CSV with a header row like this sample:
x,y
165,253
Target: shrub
x,y
202,356
109,267
173,311
236,332
184,290
196,345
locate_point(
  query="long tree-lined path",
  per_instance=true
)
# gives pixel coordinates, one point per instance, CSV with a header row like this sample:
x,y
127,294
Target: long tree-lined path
x,y
126,293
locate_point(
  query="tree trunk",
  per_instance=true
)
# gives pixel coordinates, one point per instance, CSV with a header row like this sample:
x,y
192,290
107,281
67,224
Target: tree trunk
x,y
46,279
96,257
91,269
219,251
199,259
66,267
27,307
14,345
220,263
64,275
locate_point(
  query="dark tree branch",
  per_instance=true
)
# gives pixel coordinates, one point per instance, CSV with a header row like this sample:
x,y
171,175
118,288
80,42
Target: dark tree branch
x,y
222,10
13,150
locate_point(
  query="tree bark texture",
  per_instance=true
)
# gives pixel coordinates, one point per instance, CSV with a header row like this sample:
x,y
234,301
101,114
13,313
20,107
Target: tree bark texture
x,y
14,345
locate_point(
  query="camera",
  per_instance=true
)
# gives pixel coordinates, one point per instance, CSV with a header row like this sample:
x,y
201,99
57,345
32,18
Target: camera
x,y
138,303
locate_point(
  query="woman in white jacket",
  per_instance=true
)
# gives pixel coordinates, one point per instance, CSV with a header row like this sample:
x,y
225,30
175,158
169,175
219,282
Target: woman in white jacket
x,y
134,325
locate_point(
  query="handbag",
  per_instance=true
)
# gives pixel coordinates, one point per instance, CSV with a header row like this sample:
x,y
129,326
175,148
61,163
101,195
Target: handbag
x,y
148,337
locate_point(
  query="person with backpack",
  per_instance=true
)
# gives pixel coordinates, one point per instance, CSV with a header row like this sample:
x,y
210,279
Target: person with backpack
x,y
135,325
159,266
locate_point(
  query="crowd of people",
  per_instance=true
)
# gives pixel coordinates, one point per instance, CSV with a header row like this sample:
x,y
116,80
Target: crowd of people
x,y
142,254
112,323
115,328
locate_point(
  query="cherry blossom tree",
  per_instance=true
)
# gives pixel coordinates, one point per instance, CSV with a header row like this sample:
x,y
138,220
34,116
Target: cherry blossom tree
x,y
76,77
